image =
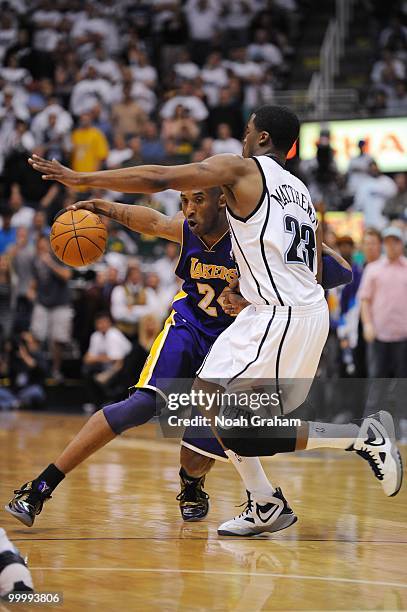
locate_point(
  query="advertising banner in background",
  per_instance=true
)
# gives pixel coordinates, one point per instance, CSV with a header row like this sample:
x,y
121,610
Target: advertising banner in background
x,y
386,141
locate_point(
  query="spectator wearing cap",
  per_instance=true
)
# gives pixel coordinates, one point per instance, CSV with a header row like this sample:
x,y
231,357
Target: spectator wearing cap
x,y
383,295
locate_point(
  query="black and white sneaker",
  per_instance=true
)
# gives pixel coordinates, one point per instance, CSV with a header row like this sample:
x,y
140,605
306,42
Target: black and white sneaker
x,y
193,500
376,442
28,501
272,514
14,573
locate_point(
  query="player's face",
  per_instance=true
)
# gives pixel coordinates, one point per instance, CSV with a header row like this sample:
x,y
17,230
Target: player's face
x,y
250,139
201,211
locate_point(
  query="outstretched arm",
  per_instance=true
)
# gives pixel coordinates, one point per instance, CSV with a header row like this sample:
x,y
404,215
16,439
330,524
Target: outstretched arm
x,y
138,218
218,170
336,270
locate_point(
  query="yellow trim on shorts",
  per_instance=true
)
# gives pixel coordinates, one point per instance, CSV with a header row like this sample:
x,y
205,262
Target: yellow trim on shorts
x,y
155,351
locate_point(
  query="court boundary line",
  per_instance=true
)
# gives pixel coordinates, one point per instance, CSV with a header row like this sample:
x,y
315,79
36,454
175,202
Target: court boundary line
x,y
156,570
265,538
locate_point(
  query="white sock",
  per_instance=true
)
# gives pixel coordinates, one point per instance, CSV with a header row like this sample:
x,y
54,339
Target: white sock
x,y
252,473
330,435
5,543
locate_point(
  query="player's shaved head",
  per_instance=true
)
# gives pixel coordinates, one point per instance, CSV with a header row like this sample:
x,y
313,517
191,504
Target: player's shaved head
x,y
214,193
204,210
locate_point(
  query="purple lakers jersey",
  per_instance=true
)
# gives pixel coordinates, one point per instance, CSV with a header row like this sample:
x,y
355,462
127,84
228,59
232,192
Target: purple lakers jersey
x,y
205,272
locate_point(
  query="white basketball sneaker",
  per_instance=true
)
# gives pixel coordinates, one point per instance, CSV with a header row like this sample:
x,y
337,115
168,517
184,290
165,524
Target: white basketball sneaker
x,y
14,573
266,515
376,442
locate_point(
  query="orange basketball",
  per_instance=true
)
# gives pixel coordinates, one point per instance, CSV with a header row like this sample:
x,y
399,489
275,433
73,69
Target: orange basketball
x,y
78,237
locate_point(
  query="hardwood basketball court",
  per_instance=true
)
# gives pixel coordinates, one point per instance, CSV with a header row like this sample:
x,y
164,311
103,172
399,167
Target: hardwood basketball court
x,y
112,537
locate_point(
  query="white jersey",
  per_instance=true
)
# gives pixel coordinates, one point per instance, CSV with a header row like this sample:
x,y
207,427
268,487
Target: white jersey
x,y
275,246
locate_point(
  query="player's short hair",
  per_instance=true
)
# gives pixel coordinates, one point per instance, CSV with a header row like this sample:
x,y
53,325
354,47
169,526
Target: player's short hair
x,y
280,122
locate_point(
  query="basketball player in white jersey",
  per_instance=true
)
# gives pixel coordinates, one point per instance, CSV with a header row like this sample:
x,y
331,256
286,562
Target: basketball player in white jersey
x,y
280,336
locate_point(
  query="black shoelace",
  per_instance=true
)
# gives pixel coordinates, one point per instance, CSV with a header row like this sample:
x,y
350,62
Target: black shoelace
x,y
374,464
192,492
248,505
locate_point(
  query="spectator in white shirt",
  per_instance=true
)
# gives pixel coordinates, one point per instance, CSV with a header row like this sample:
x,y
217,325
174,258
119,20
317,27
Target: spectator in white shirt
x,y
119,154
262,50
107,344
214,77
371,195
40,123
8,32
225,143
22,216
186,98
104,358
144,96
89,25
202,18
104,66
235,18
387,66
89,90
143,71
185,68
358,165
165,266
241,66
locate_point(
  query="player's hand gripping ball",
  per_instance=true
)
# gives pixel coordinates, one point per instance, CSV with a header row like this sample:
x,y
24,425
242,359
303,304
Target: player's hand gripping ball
x,y
78,237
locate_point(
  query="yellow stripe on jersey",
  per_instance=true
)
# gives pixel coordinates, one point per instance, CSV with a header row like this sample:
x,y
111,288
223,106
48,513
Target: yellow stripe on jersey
x,y
181,294
155,351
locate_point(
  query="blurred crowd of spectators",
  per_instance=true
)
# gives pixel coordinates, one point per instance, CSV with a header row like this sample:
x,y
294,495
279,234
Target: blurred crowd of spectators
x,y
105,84
110,84
388,78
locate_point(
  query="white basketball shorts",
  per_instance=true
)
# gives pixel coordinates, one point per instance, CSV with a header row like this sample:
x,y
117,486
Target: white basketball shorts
x,y
270,343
